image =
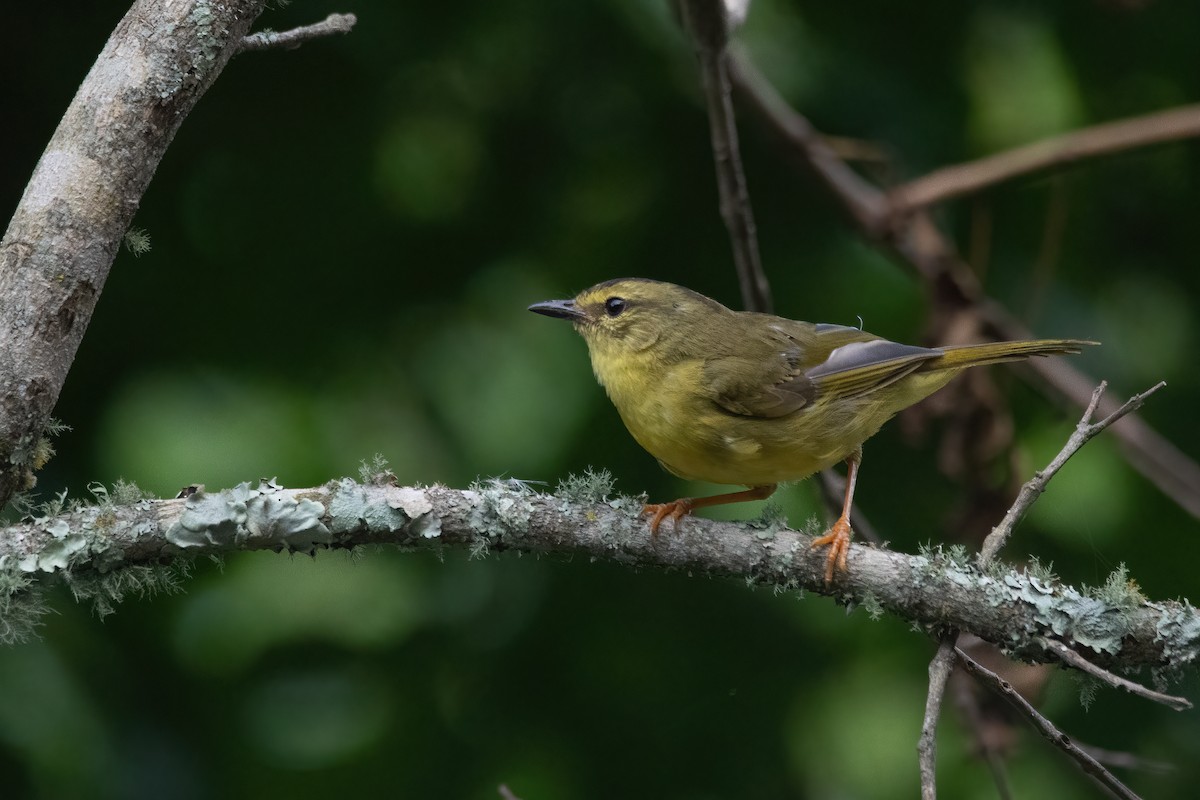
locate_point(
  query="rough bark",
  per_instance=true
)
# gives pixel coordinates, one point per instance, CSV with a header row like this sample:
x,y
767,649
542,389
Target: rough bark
x,y
1112,626
61,242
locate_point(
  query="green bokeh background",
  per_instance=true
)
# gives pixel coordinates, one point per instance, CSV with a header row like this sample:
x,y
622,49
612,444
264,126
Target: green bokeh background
x,y
345,238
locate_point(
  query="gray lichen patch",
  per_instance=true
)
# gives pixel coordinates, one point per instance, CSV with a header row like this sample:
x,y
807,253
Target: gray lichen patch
x,y
500,508
228,518
589,487
1178,630
58,550
1064,611
416,506
212,520
388,509
293,523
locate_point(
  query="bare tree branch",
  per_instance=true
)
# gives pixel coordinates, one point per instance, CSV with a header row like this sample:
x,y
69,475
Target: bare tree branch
x,y
290,40
939,673
1056,153
1074,659
706,22
1045,727
61,242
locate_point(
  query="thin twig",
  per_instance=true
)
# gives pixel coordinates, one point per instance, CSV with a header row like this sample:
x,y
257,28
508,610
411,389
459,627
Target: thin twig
x,y
1034,487
1109,138
1045,727
707,24
1171,470
863,202
1074,659
939,672
269,40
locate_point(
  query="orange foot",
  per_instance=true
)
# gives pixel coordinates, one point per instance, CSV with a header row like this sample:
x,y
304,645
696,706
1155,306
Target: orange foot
x,y
838,539
676,509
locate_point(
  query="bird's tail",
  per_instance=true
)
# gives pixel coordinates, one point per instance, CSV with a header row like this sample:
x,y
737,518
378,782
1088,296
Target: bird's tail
x,y
974,355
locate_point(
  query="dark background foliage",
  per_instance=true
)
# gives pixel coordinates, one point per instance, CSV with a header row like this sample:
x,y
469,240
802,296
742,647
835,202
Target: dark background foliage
x,y
345,238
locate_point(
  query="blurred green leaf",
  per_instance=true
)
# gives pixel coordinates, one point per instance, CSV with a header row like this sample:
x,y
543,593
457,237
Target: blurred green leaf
x,y
265,601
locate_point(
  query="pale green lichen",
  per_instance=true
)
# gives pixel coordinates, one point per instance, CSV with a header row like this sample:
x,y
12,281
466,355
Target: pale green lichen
x,y
1088,687
1067,613
500,507
590,487
137,241
479,550
1178,631
21,604
228,518
197,44
872,606
1119,590
770,522
57,553
1040,572
953,556
377,472
417,508
406,509
210,520
104,590
593,488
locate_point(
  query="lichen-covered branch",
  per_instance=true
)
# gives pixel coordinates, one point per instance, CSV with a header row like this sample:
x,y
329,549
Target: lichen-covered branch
x,y
937,590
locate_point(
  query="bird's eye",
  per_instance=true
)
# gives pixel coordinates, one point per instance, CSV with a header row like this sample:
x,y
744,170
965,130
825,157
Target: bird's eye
x,y
614,306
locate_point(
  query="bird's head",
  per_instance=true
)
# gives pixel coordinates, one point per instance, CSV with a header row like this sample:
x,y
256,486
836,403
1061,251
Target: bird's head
x,y
632,315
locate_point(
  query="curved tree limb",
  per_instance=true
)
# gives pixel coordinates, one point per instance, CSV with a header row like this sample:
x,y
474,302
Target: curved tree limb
x,y
60,244
936,590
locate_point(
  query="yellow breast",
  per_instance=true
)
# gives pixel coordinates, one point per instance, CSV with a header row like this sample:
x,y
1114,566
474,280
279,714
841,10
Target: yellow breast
x,y
694,438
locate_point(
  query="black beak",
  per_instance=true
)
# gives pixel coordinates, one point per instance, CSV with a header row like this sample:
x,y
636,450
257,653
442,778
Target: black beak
x,y
561,309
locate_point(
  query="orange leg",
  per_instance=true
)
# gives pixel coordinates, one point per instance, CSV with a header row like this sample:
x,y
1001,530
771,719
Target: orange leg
x,y
677,509
838,536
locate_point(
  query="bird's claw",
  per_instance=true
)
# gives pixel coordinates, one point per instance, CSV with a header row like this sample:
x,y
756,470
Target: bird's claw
x,y
838,539
676,510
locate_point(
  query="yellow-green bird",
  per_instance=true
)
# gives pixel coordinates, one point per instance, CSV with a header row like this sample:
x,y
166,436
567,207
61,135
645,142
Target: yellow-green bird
x,y
738,397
